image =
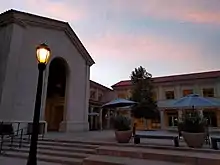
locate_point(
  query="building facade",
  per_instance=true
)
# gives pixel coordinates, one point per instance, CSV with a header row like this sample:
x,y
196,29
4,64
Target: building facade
x,y
65,99
169,88
99,95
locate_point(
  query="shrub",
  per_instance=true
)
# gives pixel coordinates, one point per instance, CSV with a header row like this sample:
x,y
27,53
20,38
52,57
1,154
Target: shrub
x,y
122,123
192,122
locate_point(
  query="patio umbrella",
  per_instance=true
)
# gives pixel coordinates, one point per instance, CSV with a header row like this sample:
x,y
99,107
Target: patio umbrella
x,y
119,103
194,101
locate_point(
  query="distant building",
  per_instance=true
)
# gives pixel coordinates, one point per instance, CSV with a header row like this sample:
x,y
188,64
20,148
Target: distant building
x,y
99,95
169,88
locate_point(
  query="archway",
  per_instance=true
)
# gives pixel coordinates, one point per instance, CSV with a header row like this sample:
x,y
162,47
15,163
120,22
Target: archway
x,y
56,89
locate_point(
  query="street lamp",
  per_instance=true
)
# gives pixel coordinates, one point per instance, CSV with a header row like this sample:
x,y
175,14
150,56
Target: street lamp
x,y
43,54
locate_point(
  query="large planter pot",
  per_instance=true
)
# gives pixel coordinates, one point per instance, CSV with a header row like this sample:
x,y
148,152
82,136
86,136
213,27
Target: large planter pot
x,y
123,136
194,140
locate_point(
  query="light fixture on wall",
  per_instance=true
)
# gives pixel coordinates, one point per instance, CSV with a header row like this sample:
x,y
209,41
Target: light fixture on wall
x,y
43,54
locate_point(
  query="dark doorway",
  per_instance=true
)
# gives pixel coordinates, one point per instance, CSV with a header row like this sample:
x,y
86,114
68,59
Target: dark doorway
x,y
55,104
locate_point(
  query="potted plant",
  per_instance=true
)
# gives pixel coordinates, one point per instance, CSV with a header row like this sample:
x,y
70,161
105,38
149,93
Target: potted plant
x,y
122,126
193,129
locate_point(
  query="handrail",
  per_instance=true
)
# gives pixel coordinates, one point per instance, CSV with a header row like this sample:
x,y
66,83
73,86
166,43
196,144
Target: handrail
x,y
16,133
5,138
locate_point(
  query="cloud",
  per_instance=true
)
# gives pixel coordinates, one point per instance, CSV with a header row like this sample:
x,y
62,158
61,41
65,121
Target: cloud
x,y
147,47
196,11
67,10
63,10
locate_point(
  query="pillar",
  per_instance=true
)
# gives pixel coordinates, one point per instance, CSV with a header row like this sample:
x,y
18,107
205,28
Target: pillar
x,y
201,112
162,123
180,113
177,92
217,91
108,120
100,118
197,90
160,93
91,118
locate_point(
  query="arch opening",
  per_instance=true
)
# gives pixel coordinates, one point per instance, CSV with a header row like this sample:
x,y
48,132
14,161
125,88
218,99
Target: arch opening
x,y
56,92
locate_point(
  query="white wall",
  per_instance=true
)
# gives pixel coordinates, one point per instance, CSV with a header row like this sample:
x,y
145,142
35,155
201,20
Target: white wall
x,y
21,79
5,38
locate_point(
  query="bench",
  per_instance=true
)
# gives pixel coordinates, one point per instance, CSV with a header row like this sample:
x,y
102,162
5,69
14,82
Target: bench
x,y
175,139
137,137
214,142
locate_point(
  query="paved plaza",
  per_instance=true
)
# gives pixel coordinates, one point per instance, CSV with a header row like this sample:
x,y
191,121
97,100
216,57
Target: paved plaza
x,y
109,136
17,161
105,137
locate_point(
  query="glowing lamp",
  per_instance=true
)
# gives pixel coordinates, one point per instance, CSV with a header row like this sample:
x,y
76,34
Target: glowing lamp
x,y
43,54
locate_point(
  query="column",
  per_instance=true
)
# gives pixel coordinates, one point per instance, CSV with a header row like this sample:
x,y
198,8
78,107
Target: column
x,y
178,92
162,123
180,113
100,118
218,88
91,118
108,120
197,90
160,93
201,112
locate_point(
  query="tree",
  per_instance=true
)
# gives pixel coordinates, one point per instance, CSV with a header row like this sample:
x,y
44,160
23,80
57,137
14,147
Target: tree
x,y
142,92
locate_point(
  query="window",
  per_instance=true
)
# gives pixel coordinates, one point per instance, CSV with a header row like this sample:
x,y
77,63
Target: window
x,y
92,94
187,92
208,92
122,95
169,94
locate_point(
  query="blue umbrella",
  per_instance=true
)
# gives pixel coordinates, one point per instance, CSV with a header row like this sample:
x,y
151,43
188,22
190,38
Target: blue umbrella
x,y
194,101
119,103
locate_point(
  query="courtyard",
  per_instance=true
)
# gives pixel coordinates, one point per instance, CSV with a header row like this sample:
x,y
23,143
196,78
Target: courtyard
x,y
108,137
78,147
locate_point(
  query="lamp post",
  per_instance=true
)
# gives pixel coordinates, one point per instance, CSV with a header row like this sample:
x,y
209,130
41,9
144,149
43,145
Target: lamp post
x,y
43,54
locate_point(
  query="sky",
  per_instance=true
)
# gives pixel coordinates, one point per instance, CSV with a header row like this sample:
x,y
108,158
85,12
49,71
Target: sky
x,y
166,37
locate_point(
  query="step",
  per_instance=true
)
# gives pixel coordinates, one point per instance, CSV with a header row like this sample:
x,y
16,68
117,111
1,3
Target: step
x,y
57,143
57,148
162,155
112,160
53,153
96,143
45,158
21,161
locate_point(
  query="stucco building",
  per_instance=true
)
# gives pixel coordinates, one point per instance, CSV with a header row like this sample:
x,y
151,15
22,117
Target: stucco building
x,y
169,88
65,99
99,95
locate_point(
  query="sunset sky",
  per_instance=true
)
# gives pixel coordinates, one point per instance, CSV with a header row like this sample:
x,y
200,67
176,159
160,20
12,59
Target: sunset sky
x,y
165,36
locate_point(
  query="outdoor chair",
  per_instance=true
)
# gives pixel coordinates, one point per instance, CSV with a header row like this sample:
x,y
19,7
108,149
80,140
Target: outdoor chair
x,y
6,129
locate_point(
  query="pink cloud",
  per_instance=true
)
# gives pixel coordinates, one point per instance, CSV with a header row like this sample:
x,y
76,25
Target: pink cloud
x,y
197,11
61,10
137,48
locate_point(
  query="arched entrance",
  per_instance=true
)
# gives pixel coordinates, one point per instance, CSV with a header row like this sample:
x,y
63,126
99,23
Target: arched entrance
x,y
56,88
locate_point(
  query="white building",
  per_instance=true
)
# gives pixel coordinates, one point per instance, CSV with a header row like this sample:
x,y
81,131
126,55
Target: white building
x,y
67,74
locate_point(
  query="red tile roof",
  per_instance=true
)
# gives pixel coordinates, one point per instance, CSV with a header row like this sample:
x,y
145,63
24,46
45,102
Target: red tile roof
x,y
183,77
